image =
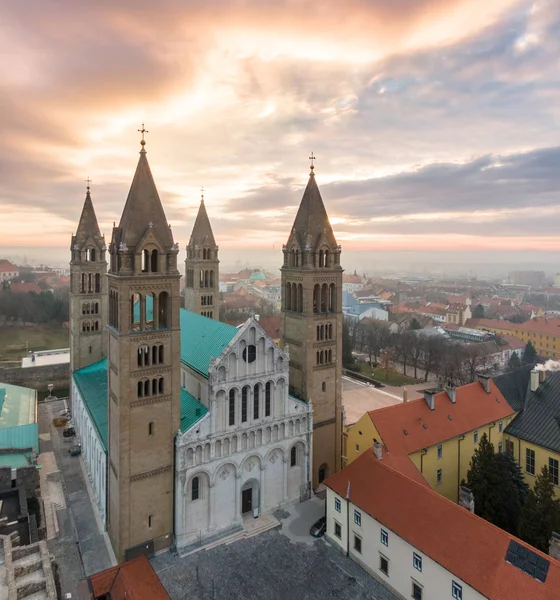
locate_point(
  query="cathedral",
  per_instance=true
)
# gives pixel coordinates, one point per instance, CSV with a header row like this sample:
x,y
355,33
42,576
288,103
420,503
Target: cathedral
x,y
190,426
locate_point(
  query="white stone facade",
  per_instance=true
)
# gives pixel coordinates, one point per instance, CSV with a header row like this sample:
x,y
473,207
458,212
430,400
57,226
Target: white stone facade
x,y
93,452
251,453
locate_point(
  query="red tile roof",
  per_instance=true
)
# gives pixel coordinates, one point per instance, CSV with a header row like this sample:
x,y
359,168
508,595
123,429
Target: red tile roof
x,y
492,323
6,265
24,288
271,325
132,580
512,343
466,545
473,408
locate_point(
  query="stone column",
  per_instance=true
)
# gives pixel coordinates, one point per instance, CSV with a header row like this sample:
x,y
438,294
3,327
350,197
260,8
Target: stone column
x,y
142,307
262,482
285,480
238,496
180,509
155,310
211,515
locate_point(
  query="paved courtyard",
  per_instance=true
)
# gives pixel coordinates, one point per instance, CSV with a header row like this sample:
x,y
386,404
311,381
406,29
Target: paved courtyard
x,y
283,564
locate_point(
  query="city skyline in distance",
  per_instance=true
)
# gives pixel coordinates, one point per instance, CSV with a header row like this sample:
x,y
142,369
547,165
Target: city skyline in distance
x,y
434,126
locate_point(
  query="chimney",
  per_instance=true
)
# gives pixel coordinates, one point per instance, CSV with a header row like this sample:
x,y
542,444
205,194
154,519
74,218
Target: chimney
x,y
534,380
554,546
378,450
404,394
485,381
451,392
429,398
542,376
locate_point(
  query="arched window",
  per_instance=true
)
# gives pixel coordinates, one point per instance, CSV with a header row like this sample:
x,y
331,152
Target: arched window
x,y
318,333
206,279
151,428
160,385
244,400
316,298
195,489
83,286
97,283
211,279
324,386
154,387
140,389
318,357
267,398
321,258
324,297
146,387
160,352
332,298
300,297
327,258
330,356
293,456
330,331
256,402
154,261
163,305
232,407
90,283
288,296
201,282
297,258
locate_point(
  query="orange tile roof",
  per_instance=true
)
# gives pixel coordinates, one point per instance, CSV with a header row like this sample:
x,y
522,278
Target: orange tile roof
x,y
471,548
512,342
6,265
24,288
271,325
473,408
132,580
493,323
548,326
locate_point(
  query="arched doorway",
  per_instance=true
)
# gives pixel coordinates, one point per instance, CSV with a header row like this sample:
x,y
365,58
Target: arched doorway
x,y
250,496
323,472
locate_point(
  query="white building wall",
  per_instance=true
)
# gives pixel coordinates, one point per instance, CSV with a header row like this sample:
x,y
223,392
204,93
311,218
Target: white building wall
x,y
435,580
93,453
255,454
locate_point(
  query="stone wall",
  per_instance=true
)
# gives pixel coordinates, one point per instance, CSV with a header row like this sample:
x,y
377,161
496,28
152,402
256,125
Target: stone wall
x,y
27,480
38,378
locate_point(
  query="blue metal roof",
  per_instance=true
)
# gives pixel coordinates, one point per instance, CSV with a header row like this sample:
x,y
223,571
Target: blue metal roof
x,y
203,339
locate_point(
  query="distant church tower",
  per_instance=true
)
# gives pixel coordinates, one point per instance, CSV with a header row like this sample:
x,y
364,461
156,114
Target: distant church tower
x,y
144,371
202,289
312,325
88,291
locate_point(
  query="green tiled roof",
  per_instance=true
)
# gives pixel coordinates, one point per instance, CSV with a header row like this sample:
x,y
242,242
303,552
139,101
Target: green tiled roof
x,y
539,421
202,339
20,436
92,382
16,460
191,410
18,405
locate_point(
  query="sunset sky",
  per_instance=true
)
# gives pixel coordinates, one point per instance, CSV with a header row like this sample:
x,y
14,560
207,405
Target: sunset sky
x,y
436,123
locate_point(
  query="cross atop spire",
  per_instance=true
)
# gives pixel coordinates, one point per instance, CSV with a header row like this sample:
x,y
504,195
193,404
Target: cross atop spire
x,y
143,131
202,194
312,159
88,181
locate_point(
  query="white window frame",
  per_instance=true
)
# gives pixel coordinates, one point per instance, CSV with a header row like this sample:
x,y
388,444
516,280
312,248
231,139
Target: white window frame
x,y
456,591
337,505
500,426
420,587
358,517
384,537
440,451
417,561
334,529
475,437
439,476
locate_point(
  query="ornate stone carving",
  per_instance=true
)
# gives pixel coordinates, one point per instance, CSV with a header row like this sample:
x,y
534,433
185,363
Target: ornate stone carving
x,y
225,473
273,457
250,465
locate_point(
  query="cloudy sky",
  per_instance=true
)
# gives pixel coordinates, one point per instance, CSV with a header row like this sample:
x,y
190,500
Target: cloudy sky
x,y
436,123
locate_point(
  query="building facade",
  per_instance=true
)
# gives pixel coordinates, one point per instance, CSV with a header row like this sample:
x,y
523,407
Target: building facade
x,y
202,291
250,450
8,270
144,371
312,324
88,291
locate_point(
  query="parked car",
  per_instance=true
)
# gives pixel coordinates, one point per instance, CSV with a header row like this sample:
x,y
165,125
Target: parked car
x,y
69,432
318,529
75,450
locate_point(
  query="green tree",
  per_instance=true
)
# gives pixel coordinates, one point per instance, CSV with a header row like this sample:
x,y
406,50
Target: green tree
x,y
347,345
478,312
414,324
497,485
530,354
541,513
514,362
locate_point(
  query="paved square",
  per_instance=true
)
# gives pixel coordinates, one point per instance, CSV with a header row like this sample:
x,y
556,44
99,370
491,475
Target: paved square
x,y
267,567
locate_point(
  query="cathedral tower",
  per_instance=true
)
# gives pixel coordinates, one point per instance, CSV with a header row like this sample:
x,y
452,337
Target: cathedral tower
x,y
202,289
312,325
88,291
144,371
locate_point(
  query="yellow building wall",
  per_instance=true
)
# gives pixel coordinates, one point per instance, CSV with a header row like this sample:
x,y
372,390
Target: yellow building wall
x,y
359,438
541,459
545,344
455,458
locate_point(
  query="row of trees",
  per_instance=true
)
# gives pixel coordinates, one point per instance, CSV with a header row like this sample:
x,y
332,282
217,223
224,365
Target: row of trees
x,y
503,498
30,307
413,349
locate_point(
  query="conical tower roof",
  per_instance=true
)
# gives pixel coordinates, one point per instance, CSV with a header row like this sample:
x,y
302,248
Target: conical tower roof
x,y
312,223
202,230
143,209
88,226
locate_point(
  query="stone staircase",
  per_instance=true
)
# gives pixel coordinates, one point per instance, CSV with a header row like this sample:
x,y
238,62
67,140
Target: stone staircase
x,y
251,528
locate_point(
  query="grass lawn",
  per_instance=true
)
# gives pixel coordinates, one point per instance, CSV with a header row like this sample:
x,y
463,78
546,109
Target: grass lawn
x,y
388,377
14,341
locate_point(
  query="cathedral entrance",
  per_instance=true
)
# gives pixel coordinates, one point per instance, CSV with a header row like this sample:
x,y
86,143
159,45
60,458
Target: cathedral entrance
x,y
246,500
323,472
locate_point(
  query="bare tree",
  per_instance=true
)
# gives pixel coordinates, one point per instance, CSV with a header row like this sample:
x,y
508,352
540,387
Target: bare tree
x,y
416,349
434,352
377,336
401,343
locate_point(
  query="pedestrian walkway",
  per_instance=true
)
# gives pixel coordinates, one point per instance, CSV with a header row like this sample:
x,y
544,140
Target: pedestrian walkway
x,y
80,547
